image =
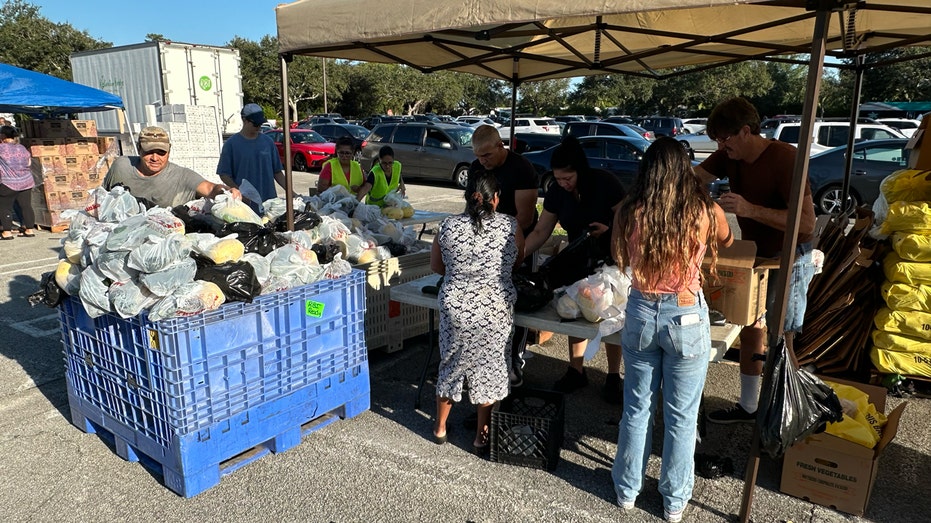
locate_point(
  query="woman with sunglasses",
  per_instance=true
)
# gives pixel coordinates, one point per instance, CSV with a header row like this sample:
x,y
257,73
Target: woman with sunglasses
x,y
342,170
384,177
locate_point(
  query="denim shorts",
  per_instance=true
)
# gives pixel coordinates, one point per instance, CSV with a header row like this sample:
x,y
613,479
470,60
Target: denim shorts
x,y
802,272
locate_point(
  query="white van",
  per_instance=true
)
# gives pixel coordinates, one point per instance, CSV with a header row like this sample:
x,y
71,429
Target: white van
x,y
827,135
903,125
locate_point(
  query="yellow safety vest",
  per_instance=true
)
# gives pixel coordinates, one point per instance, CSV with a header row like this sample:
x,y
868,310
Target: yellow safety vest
x,y
382,186
338,177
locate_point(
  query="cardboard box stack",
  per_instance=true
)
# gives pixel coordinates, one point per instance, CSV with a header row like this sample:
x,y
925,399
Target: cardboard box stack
x,y
195,137
740,289
902,339
70,159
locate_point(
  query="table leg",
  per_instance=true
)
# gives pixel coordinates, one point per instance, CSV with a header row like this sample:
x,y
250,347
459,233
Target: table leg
x,y
423,229
426,363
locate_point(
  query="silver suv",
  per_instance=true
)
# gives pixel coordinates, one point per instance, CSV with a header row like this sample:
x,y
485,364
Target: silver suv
x,y
429,150
827,135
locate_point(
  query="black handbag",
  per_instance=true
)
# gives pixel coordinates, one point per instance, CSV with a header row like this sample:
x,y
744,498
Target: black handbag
x,y
576,261
533,293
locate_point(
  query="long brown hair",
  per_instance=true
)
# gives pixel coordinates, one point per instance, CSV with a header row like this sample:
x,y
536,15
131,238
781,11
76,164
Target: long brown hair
x,y
667,203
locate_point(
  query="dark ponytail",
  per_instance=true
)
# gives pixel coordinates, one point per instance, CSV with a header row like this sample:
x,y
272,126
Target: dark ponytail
x,y
480,190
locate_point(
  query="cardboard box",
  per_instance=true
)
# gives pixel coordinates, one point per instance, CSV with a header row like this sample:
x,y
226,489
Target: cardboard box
x,y
64,128
73,199
46,165
45,146
81,164
740,289
919,146
79,146
108,145
834,472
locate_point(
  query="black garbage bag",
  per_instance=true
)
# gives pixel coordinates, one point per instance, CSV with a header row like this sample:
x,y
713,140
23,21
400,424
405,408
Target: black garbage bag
x,y
259,239
533,292
49,293
796,405
577,260
236,279
199,222
325,253
303,220
395,248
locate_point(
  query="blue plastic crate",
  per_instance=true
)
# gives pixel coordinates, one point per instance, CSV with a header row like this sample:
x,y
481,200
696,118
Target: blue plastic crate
x,y
179,375
192,463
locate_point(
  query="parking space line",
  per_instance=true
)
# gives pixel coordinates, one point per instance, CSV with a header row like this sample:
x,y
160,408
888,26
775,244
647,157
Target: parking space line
x,y
28,327
34,267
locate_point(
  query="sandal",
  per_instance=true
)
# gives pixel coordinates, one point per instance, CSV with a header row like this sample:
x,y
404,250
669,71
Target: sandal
x,y
28,234
10,237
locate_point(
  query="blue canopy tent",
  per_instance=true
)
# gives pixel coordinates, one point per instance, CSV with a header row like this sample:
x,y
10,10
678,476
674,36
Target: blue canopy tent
x,y
33,93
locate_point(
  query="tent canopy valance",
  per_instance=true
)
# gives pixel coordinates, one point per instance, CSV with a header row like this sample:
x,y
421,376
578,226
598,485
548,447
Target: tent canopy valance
x,y
556,39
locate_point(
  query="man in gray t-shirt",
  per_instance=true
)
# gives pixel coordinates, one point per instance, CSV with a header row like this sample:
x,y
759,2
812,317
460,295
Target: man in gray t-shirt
x,y
155,181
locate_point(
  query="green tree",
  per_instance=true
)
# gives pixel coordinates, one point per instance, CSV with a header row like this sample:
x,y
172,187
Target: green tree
x,y
32,41
543,97
617,93
155,37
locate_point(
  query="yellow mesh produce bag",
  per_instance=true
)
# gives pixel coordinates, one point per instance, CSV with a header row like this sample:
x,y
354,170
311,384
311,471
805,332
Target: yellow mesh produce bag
x,y
905,297
913,323
908,216
907,185
912,247
898,270
893,342
862,423
907,363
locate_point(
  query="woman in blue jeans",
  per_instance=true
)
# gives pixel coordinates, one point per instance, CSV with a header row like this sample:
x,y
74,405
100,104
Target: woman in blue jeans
x,y
662,230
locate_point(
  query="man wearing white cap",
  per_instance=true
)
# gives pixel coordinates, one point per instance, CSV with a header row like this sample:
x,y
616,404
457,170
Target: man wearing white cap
x,y
252,156
155,181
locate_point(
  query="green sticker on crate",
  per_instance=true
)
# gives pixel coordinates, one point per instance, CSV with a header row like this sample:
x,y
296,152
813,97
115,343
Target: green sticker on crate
x,y
314,308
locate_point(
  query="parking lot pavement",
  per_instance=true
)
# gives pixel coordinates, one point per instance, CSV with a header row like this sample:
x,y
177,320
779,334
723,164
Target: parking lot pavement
x,y
382,464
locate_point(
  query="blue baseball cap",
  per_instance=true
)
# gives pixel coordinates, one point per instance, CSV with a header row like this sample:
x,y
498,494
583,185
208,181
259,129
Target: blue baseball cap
x,y
254,113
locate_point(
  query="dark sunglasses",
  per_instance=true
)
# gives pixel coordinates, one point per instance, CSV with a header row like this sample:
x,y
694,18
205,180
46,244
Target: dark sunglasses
x,y
157,152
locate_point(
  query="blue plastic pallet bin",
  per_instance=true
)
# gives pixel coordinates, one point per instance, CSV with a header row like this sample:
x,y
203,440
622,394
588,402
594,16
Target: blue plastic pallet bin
x,y
180,375
194,462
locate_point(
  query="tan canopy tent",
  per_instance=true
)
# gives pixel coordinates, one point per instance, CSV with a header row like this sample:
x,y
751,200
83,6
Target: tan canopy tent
x,y
525,40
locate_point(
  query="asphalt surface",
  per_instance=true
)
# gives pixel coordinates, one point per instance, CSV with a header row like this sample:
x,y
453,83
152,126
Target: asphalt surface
x,y
382,465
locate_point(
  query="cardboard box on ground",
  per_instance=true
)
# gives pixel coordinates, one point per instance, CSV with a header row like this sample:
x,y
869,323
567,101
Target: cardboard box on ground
x,y
834,472
739,292
919,146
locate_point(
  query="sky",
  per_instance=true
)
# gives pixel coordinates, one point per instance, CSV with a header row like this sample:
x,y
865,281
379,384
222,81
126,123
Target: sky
x,y
205,22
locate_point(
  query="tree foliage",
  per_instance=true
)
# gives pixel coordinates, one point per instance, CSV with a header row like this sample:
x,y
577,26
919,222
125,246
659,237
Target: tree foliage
x,y
32,41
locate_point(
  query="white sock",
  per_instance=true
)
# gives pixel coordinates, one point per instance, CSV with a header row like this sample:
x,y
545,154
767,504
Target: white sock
x,y
749,392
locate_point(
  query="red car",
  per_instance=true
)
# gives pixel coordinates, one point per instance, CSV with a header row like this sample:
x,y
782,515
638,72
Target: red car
x,y
310,149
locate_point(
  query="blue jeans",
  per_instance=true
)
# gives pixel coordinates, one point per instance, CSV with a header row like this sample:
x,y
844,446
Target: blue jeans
x,y
661,352
802,272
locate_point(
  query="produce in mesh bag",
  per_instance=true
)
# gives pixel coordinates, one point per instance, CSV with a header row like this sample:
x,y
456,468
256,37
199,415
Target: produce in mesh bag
x,y
164,282
219,250
912,247
189,299
113,265
231,210
909,323
393,213
68,277
908,216
907,185
128,298
567,308
904,297
93,292
407,209
157,254
898,270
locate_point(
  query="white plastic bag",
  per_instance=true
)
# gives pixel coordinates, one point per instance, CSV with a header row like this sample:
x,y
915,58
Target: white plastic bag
x,y
113,265
337,268
189,299
261,266
332,230
93,292
128,298
367,213
157,254
112,206
128,234
163,282
231,210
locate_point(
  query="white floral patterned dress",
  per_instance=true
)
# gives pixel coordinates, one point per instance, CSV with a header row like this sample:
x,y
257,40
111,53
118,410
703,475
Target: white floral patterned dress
x,y
476,304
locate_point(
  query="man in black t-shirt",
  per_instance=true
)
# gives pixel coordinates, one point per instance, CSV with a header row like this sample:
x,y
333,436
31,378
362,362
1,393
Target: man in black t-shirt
x,y
516,176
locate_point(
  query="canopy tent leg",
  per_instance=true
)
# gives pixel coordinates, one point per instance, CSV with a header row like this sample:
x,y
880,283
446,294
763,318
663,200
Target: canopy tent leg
x,y
851,136
796,198
515,83
286,122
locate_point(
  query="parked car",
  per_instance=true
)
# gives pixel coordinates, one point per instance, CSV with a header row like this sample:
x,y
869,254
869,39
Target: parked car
x,y
569,118
903,125
872,162
619,155
827,135
475,121
603,128
323,118
619,119
661,125
530,125
309,148
529,142
694,125
335,131
698,142
768,125
429,150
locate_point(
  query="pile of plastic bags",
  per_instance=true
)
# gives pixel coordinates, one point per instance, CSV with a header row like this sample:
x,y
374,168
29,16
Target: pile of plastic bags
x,y
120,257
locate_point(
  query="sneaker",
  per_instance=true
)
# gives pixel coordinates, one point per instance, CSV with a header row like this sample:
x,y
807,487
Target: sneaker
x,y
572,381
613,390
735,414
626,505
673,517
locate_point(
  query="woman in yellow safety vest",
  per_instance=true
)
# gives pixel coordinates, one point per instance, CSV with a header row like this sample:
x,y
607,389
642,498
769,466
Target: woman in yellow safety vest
x,y
384,177
334,170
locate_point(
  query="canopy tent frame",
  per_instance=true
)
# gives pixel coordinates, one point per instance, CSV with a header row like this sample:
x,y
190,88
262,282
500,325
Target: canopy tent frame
x,y
462,50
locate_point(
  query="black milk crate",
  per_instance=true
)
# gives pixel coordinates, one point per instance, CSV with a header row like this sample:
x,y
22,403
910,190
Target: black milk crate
x,y
527,428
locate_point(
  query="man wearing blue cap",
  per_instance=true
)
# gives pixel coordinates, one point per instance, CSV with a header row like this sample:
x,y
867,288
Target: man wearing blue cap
x,y
252,156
